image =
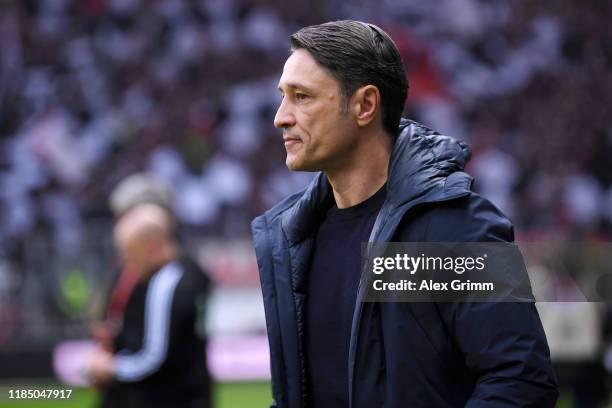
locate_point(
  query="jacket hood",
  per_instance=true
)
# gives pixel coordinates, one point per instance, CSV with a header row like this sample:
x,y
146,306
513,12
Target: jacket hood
x,y
425,166
421,163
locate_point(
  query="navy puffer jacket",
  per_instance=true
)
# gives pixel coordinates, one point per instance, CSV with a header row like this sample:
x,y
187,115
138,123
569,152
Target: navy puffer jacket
x,y
407,354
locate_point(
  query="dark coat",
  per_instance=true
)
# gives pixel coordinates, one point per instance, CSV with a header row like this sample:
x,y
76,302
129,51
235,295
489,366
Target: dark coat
x,y
407,354
176,377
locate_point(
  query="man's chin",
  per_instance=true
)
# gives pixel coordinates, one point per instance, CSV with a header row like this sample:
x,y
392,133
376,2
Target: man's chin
x,y
294,164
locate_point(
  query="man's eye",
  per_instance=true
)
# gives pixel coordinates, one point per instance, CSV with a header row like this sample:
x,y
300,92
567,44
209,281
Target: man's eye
x,y
300,96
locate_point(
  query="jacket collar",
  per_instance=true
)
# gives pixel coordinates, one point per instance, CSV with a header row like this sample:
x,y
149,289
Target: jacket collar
x,y
424,167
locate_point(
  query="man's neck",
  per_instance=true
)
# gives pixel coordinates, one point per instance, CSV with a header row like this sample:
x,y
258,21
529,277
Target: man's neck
x,y
363,174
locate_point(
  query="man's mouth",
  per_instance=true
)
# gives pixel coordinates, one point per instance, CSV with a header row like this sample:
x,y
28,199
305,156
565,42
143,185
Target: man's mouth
x,y
291,139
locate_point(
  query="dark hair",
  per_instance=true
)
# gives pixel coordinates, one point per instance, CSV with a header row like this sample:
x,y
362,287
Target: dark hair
x,y
358,54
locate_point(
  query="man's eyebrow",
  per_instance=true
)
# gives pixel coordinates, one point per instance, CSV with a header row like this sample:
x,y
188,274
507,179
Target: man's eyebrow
x,y
295,85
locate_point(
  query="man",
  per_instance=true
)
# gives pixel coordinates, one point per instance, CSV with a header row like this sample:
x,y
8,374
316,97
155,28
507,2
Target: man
x,y
159,358
343,89
134,190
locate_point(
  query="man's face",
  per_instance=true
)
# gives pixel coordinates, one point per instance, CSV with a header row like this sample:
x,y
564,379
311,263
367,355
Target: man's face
x,y
318,131
134,250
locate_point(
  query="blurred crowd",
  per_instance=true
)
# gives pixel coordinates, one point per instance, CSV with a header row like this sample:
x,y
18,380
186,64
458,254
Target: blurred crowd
x,y
92,91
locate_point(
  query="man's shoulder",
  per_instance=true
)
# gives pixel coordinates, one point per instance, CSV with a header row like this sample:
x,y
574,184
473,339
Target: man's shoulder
x,y
470,218
275,212
193,277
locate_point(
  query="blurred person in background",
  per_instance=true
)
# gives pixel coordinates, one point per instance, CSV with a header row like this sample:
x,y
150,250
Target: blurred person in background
x,y
381,179
136,189
159,354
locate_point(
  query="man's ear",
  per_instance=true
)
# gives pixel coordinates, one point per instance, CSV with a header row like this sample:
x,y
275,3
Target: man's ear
x,y
366,101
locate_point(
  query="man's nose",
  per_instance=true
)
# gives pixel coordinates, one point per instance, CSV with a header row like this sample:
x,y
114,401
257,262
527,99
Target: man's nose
x,y
284,117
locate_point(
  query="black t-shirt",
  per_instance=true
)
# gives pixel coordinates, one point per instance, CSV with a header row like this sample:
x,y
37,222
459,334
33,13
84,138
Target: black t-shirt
x,y
332,288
